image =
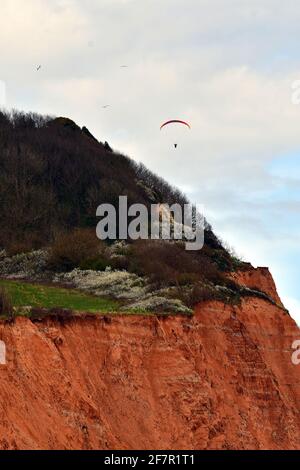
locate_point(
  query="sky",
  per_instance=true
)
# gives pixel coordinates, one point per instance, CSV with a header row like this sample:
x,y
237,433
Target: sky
x,y
228,67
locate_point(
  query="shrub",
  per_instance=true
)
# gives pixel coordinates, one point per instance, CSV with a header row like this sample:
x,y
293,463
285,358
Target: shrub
x,y
202,293
170,264
185,279
159,303
198,293
58,313
119,263
97,264
37,313
6,307
76,248
29,242
228,293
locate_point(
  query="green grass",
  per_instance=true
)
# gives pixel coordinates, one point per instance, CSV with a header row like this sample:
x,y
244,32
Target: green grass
x,y
36,295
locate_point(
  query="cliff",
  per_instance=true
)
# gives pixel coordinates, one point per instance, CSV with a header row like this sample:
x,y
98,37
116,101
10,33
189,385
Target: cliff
x,y
222,379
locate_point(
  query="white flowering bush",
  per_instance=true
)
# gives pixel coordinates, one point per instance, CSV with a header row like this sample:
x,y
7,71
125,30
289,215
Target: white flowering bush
x,y
117,284
24,265
119,247
156,303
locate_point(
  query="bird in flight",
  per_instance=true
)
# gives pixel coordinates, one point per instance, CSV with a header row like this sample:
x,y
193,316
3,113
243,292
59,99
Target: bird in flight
x,y
105,106
38,68
123,66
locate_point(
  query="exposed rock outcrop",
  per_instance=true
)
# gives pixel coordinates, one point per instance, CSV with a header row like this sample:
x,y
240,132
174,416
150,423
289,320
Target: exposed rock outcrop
x,y
258,279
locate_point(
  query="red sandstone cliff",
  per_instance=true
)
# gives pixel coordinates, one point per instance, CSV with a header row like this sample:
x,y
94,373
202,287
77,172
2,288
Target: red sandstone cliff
x,y
222,379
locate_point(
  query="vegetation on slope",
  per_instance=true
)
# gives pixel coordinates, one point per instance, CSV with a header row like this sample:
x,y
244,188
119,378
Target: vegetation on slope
x,y
53,176
24,294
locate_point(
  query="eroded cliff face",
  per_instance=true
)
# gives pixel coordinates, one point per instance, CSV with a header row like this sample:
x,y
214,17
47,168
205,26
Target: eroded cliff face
x,y
260,279
222,379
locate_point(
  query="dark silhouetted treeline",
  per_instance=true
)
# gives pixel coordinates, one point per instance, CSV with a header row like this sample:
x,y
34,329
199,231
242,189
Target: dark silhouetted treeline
x,y
53,176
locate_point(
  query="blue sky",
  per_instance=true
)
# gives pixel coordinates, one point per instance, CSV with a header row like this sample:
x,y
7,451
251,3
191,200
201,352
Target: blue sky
x,y
226,66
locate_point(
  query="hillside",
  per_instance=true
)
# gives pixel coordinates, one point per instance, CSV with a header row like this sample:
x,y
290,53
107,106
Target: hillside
x,y
127,345
222,379
53,177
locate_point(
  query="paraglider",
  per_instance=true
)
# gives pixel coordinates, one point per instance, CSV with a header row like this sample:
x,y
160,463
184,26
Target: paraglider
x,y
175,121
